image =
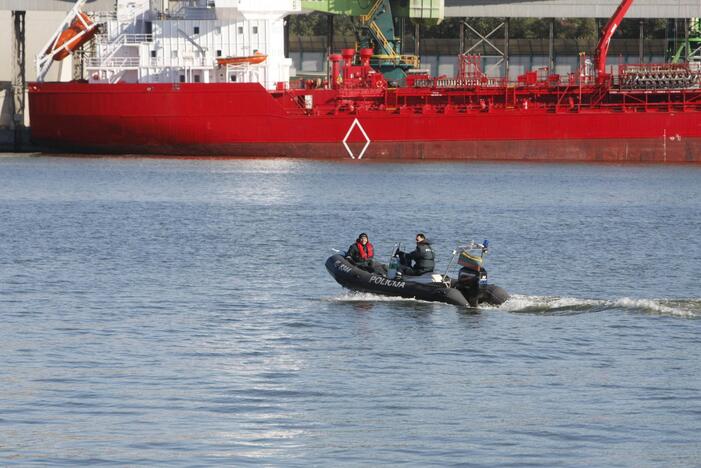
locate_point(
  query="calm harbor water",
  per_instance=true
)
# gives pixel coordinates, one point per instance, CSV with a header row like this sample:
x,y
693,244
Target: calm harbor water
x,y
178,312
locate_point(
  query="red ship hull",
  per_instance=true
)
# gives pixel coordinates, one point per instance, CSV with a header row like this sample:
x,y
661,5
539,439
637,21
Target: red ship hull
x,y
246,120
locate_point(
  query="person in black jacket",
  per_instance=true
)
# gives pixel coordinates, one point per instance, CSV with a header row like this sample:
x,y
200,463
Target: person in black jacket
x,y
422,257
362,254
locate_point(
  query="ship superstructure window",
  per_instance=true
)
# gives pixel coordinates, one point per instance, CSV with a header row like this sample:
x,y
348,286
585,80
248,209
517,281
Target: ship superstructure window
x,y
233,78
255,29
174,54
197,29
182,78
218,53
240,29
196,78
153,54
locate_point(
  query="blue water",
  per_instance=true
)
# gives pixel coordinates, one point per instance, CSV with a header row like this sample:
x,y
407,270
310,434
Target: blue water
x,y
178,312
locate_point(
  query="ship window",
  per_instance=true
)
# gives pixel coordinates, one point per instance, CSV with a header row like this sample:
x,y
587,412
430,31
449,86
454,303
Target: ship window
x,y
218,53
255,29
197,29
217,30
182,78
174,54
196,78
153,53
240,29
233,77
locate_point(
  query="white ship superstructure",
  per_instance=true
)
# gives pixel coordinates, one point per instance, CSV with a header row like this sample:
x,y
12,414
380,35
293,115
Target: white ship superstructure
x,y
161,41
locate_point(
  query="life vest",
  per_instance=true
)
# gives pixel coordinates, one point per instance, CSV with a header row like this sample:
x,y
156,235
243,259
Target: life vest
x,y
424,257
365,254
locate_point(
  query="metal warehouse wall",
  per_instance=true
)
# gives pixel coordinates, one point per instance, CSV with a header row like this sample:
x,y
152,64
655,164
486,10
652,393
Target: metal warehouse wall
x,y
571,8
474,8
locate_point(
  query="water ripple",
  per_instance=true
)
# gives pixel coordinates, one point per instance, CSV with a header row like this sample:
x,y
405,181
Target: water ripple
x,y
173,312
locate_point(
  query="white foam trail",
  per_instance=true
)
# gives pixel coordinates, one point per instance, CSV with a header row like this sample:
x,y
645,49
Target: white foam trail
x,y
519,302
551,304
368,297
688,308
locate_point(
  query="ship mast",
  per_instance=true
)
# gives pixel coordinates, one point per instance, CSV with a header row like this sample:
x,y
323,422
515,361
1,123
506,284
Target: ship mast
x,y
602,48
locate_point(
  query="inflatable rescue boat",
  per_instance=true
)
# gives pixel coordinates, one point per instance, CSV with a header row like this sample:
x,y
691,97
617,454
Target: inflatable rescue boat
x,y
470,288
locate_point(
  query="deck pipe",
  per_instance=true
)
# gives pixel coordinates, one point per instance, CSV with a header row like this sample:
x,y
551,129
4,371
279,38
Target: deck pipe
x,y
335,60
348,55
365,55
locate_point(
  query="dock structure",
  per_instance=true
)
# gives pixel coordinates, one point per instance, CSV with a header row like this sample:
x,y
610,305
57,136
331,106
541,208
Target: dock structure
x,y
19,77
499,49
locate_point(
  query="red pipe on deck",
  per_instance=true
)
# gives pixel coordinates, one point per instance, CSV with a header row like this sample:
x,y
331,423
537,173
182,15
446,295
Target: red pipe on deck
x,y
348,55
365,55
335,60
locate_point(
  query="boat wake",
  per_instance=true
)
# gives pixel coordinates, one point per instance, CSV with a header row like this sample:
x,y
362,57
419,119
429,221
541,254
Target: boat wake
x,y
686,308
369,297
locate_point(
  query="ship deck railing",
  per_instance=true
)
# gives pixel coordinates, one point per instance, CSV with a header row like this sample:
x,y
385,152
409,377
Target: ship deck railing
x,y
516,97
474,109
114,62
124,38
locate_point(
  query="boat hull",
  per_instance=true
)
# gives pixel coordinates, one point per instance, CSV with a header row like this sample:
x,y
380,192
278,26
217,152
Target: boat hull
x,y
351,277
245,120
604,151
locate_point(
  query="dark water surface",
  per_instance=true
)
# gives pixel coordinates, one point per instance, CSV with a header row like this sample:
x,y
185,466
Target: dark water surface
x,y
178,312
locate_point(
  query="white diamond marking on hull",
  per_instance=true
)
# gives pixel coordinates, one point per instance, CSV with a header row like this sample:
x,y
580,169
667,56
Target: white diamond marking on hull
x,y
367,140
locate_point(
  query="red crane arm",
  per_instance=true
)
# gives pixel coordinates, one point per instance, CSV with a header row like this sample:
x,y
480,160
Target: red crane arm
x,y
602,48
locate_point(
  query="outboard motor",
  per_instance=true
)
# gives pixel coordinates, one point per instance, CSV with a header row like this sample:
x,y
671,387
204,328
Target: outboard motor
x,y
472,275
